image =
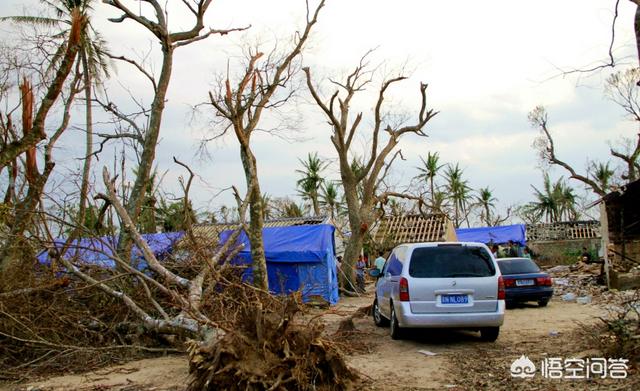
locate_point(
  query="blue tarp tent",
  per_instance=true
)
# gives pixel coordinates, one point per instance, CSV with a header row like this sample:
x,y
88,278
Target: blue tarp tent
x,y
98,251
497,235
299,258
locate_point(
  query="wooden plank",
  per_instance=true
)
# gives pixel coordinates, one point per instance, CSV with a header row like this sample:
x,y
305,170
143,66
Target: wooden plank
x,y
422,226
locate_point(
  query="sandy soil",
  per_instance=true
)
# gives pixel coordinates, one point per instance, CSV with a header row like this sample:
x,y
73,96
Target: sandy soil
x,y
399,365
387,364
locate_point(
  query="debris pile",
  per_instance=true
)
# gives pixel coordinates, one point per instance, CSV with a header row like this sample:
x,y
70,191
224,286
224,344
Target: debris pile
x,y
56,325
261,345
581,283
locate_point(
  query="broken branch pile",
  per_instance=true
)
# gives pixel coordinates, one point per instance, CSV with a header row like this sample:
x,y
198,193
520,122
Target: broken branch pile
x,y
57,325
263,346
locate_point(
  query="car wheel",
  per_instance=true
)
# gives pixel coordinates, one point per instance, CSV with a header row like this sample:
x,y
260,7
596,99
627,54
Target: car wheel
x,y
510,305
543,303
378,319
489,334
396,331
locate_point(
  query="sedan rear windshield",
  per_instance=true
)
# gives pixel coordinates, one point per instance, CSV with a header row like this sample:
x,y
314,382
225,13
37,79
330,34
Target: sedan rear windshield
x,y
518,266
455,261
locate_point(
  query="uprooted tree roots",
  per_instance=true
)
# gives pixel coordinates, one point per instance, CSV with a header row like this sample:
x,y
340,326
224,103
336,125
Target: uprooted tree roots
x,y
264,346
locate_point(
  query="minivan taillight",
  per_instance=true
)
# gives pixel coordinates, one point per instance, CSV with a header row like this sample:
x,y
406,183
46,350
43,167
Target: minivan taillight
x,y
501,293
404,289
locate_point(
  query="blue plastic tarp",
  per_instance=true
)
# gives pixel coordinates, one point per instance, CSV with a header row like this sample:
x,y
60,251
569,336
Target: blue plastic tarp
x,y
497,235
299,258
99,251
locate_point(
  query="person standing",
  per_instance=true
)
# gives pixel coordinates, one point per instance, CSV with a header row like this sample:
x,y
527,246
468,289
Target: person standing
x,y
512,250
379,262
360,266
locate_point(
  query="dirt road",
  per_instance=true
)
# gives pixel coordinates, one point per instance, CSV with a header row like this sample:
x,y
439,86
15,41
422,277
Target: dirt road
x,y
400,365
425,360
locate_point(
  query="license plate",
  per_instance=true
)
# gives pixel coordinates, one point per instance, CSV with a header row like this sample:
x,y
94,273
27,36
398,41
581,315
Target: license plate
x,y
524,282
454,299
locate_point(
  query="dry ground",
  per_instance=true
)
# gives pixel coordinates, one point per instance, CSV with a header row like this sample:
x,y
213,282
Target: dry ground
x,y
461,360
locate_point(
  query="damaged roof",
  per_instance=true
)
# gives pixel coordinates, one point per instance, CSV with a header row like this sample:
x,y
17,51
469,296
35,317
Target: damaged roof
x,y
415,228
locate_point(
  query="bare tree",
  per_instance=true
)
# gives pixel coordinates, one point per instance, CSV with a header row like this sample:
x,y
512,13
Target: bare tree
x,y
546,147
636,26
36,131
169,40
26,207
622,89
91,59
361,210
19,153
241,104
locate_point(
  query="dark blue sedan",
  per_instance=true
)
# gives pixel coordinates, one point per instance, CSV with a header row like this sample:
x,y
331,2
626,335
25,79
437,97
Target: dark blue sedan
x,y
523,281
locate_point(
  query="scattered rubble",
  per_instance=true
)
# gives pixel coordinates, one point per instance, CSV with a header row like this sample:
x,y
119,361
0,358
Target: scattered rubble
x,y
559,269
583,300
581,283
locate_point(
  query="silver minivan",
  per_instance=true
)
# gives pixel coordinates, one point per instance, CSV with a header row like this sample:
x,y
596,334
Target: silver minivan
x,y
440,285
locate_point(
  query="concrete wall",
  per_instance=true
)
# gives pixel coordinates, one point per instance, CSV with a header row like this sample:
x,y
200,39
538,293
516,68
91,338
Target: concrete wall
x,y
563,252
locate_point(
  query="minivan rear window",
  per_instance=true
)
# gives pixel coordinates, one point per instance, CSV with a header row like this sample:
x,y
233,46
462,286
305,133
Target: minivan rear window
x,y
443,262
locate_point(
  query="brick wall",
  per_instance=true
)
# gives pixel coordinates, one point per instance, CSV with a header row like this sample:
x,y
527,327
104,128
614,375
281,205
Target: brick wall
x,y
562,252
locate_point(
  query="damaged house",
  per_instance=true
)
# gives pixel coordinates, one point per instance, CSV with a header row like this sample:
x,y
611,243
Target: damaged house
x,y
415,228
620,217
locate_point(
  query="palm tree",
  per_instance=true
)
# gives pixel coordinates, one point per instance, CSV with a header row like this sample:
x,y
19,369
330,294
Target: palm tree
x,y
566,201
485,200
603,175
266,206
546,204
291,209
439,202
459,192
330,199
555,202
311,179
92,60
174,217
429,171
